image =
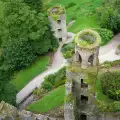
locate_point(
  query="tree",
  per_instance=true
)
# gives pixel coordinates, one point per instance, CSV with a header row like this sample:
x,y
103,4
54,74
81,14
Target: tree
x,y
110,84
110,18
22,22
17,54
7,90
8,94
35,4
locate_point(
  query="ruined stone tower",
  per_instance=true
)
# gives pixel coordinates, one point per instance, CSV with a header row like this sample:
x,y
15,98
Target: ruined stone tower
x,y
81,78
57,18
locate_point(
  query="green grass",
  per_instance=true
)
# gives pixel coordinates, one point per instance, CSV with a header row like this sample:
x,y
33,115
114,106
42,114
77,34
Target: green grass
x,y
84,12
53,100
84,23
23,77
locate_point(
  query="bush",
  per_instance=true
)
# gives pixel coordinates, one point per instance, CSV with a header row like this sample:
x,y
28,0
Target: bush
x,y
71,4
54,80
8,94
47,86
110,18
112,64
68,50
108,107
40,92
59,83
7,90
110,83
106,35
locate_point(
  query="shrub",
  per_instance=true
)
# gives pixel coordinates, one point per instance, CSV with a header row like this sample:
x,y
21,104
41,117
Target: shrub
x,y
50,78
54,80
47,86
68,50
71,4
106,35
8,94
59,83
110,18
107,107
112,64
40,92
110,83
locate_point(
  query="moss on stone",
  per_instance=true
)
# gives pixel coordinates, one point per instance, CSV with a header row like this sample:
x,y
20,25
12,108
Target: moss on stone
x,y
91,74
56,12
87,39
69,98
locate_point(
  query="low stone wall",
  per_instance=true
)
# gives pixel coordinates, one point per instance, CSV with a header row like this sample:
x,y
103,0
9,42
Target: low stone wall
x,y
26,115
9,112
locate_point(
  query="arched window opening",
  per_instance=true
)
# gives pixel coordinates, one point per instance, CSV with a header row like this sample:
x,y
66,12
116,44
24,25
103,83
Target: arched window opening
x,y
84,99
90,60
83,84
83,117
78,57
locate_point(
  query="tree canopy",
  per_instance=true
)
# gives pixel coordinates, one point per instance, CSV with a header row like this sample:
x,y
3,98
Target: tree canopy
x,y
25,34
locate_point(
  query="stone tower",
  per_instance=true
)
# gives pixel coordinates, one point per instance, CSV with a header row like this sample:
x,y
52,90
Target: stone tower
x,y
57,18
81,78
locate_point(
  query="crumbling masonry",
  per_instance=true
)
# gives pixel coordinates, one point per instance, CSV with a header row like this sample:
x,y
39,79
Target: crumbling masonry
x,y
80,102
57,18
81,76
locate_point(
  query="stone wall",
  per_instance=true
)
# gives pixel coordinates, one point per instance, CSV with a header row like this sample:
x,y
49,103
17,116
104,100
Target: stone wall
x,y
9,112
59,26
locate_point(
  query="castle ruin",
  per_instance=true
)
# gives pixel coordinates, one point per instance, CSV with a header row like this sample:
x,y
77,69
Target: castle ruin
x,y
57,18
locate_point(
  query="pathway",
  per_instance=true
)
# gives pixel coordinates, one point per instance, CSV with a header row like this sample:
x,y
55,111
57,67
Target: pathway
x,y
58,62
107,53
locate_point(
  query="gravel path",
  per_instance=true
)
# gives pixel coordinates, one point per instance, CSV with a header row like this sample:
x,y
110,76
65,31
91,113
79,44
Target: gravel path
x,y
58,62
107,53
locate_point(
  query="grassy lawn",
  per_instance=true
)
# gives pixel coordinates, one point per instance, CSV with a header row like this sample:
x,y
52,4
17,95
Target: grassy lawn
x,y
83,11
54,99
23,77
84,23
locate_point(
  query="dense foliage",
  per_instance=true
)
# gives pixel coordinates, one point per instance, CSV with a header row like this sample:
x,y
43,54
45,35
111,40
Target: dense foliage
x,y
22,22
35,4
106,35
18,54
68,50
55,80
7,90
25,34
115,63
110,83
109,107
52,81
110,18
